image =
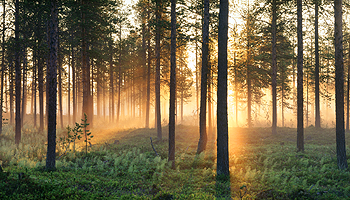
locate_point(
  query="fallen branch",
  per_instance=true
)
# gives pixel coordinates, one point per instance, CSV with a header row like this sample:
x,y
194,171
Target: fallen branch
x,y
153,147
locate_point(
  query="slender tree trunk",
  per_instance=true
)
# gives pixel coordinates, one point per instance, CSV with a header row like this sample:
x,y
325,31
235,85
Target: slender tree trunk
x,y
85,69
317,66
74,85
52,88
18,76
172,85
24,88
11,94
60,82
202,143
157,77
300,114
2,63
339,86
148,74
69,91
34,90
274,69
111,86
348,90
236,88
223,168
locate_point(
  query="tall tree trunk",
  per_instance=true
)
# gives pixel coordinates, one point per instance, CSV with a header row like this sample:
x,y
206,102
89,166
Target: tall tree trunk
x,y
2,63
52,87
59,69
236,87
348,90
85,68
248,76
69,90
223,168
172,85
24,88
148,74
41,93
274,69
157,77
111,86
202,143
144,65
317,66
18,77
300,114
339,85
74,85
11,79
34,89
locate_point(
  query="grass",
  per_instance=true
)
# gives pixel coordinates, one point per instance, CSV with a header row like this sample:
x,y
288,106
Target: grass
x,y
123,165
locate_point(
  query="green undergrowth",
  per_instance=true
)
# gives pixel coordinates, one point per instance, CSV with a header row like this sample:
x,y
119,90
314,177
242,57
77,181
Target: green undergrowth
x,y
262,166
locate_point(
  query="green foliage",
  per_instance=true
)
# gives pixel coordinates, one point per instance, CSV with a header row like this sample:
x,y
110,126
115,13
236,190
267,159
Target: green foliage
x,y
261,168
74,134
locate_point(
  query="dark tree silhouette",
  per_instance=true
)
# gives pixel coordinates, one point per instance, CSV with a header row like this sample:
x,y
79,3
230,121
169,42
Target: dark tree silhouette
x,y
18,77
157,75
317,67
172,85
202,143
339,85
300,116
223,169
52,87
274,68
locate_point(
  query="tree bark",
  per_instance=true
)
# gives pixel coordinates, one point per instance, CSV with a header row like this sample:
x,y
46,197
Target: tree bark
x,y
85,68
148,73
348,90
172,85
223,169
2,63
274,69
300,114
339,85
202,143
18,77
157,77
52,87
111,86
317,76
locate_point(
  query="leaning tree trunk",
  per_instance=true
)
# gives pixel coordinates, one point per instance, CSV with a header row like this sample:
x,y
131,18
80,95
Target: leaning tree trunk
x,y
202,143
339,86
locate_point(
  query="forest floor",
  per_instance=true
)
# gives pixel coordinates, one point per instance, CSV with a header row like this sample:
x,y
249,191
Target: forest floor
x,y
121,164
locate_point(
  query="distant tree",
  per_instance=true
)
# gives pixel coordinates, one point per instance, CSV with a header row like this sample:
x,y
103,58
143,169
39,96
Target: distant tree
x,y
339,85
300,114
223,169
52,86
